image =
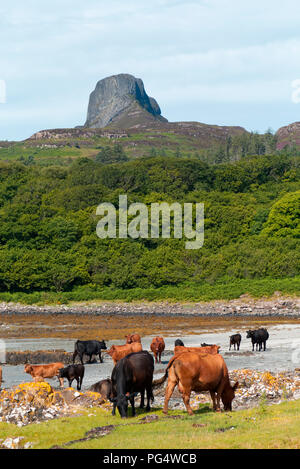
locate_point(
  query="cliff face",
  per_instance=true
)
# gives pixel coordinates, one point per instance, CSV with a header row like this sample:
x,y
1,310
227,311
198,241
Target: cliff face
x,y
117,97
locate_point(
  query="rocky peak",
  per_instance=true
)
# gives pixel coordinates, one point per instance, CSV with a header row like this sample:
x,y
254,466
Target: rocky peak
x,y
115,96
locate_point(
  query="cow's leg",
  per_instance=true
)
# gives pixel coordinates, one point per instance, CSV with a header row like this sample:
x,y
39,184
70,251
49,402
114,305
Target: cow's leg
x,y
100,357
114,408
149,396
81,358
142,404
186,399
74,356
172,382
132,405
78,384
213,398
219,394
61,382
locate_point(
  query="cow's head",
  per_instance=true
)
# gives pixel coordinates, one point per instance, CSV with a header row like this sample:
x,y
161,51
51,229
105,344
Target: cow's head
x,y
28,369
249,334
111,350
62,372
228,395
103,345
156,342
128,339
121,402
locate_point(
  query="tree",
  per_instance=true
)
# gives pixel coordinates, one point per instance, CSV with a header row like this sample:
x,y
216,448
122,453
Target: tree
x,y
284,217
109,155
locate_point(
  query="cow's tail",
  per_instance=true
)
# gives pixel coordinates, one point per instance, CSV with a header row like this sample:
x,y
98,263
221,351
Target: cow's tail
x,y
158,382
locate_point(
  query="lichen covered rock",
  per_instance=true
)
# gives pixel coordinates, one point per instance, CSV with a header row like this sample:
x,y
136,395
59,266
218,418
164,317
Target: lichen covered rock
x,y
36,402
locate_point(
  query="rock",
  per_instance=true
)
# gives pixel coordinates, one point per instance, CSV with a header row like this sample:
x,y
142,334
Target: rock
x,y
15,443
149,418
117,96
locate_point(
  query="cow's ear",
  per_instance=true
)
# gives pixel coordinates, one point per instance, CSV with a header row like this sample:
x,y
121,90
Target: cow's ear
x,y
133,394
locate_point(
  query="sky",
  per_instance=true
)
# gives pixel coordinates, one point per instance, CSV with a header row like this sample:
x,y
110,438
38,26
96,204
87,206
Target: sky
x,y
222,62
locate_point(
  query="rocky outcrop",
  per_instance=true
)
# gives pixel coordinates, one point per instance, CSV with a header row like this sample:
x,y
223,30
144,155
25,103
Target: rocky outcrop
x,y
288,136
38,356
117,96
36,402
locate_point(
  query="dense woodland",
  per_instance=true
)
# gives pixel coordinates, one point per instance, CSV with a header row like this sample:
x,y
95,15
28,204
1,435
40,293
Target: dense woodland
x,y
48,224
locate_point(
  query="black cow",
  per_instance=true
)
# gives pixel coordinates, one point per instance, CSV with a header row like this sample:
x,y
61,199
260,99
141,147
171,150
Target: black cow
x,y
235,340
179,342
72,372
131,375
258,337
206,345
90,348
103,387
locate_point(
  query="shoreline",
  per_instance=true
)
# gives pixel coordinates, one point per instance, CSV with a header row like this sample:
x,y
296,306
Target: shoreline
x,y
245,306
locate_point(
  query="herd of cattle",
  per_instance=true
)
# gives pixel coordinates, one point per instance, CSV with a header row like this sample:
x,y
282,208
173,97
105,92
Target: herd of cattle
x,y
191,369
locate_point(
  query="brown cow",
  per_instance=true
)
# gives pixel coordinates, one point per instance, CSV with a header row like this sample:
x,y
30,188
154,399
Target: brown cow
x,y
130,338
198,372
157,347
40,372
120,351
213,349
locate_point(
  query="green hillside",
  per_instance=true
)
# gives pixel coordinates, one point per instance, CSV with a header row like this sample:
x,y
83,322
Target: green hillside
x,y
49,193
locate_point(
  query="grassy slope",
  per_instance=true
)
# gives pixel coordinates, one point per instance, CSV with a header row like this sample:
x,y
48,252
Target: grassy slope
x,y
262,427
135,146
186,293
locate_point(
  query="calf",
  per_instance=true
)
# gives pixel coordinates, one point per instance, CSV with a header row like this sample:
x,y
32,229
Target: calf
x,y
157,347
72,372
40,372
132,338
258,337
103,387
90,348
235,340
117,352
